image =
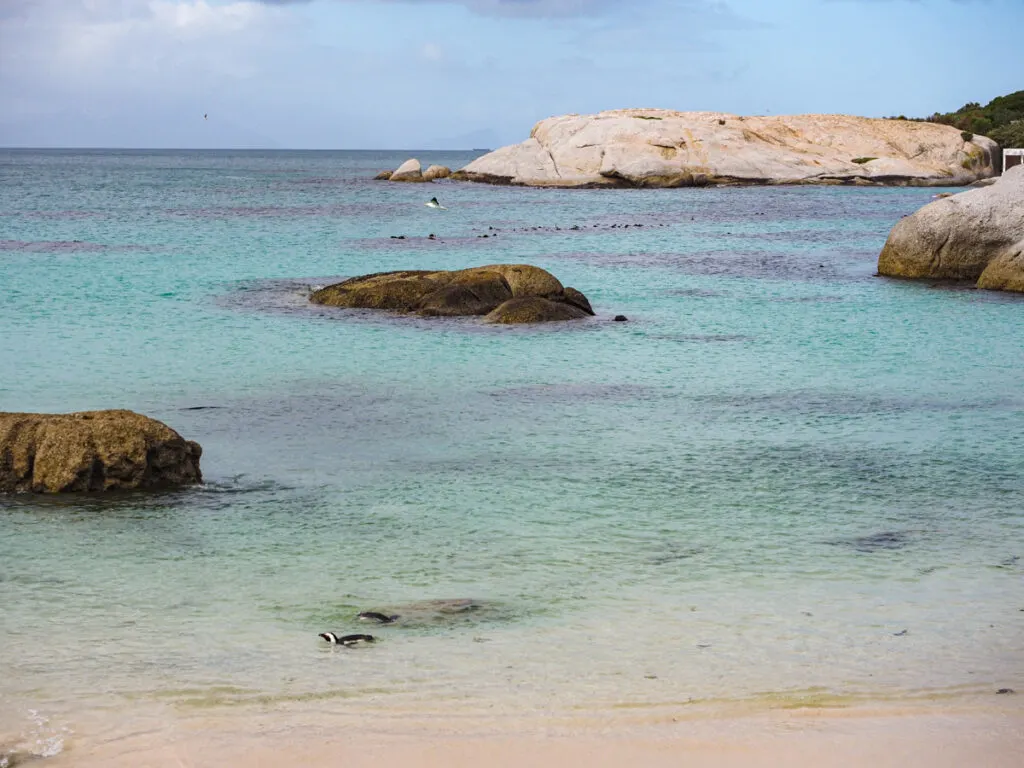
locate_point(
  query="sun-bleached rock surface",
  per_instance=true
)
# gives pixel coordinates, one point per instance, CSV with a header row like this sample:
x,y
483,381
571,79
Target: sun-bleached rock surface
x,y
437,172
410,170
975,235
505,293
664,148
93,451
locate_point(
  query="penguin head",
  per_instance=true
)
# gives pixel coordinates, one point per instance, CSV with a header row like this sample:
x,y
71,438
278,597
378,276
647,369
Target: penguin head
x,y
330,637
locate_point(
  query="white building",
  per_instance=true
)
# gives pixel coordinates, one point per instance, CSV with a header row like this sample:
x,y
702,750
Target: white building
x,y
1012,157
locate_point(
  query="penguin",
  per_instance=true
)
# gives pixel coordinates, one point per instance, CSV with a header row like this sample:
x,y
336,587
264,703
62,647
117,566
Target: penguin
x,y
348,640
434,204
380,618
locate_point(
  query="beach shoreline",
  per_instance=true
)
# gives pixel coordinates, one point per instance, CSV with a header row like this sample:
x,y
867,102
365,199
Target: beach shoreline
x,y
949,735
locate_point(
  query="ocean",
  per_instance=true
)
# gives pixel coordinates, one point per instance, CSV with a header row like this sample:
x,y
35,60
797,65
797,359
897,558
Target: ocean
x,y
784,482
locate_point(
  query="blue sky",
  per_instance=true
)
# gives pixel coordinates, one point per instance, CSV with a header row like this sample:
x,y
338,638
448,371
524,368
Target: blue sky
x,y
474,73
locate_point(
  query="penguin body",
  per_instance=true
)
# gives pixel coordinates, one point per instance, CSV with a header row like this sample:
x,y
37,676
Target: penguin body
x,y
348,640
380,618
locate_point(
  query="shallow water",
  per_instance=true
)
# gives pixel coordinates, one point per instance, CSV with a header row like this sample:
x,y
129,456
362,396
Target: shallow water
x,y
747,492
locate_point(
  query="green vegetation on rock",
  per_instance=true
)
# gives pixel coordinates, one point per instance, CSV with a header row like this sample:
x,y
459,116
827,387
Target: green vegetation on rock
x,y
862,160
995,120
1010,135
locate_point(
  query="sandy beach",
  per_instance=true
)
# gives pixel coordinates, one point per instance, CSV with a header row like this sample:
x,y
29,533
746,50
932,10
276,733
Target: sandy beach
x,y
991,736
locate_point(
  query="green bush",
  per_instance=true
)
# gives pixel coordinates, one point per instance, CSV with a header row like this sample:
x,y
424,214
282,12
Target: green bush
x,y
967,136
981,126
1009,136
972,118
862,160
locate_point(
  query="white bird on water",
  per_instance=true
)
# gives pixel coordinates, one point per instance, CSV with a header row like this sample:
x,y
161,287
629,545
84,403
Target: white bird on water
x,y
434,204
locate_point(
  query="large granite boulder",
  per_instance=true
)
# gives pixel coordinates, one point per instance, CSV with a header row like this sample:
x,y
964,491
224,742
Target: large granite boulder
x,y
664,148
410,170
93,451
437,172
464,292
975,235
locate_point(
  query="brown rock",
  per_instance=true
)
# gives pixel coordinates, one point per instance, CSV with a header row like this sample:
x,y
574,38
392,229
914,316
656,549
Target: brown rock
x,y
476,296
525,280
383,176
400,291
93,451
975,235
577,299
437,172
473,291
534,309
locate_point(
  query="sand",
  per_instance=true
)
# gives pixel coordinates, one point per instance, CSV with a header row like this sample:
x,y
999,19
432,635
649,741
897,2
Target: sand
x,y
976,736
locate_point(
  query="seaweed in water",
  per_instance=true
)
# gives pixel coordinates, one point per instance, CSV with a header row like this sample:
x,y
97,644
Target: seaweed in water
x,y
886,540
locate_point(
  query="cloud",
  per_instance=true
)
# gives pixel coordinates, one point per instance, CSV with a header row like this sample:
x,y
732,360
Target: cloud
x,y
516,8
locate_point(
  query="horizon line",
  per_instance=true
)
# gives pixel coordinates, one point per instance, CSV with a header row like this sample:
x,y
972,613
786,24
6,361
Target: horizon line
x,y
234,149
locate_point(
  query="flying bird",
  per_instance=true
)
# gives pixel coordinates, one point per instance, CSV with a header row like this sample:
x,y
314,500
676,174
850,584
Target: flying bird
x,y
204,116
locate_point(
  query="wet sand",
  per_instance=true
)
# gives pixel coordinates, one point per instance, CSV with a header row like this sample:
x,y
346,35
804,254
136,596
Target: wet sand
x,y
971,736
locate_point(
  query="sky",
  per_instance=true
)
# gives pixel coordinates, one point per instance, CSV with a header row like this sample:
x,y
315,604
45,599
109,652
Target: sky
x,y
450,74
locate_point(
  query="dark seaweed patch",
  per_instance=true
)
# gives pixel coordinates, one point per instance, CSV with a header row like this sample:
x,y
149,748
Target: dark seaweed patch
x,y
877,542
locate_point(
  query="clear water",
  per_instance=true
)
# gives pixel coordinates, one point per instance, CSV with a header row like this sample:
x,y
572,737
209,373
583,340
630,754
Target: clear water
x,y
742,494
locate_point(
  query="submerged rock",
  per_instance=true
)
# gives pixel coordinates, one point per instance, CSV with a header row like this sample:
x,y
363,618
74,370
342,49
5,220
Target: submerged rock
x,y
665,148
465,292
975,235
534,309
93,451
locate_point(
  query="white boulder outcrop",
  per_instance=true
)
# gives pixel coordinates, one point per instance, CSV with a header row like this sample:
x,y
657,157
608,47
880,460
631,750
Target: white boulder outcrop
x,y
410,170
664,148
437,172
974,235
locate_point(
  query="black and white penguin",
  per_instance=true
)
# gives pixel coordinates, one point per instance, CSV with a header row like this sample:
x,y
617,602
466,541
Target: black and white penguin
x,y
349,640
380,618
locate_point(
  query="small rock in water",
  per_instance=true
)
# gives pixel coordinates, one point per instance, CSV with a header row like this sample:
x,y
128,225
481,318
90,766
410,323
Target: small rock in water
x,y
621,318
1005,690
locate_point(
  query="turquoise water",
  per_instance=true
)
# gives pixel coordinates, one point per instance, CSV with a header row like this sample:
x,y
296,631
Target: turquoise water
x,y
744,493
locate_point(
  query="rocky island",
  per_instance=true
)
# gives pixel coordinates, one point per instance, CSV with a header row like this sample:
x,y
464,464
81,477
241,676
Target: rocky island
x,y
93,451
975,235
664,148
501,293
